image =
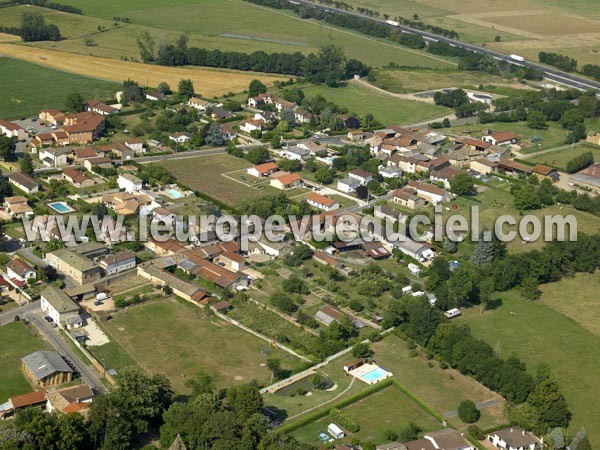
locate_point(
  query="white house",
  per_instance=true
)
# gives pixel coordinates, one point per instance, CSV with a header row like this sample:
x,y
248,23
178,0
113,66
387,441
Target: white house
x,y
101,108
130,183
137,145
414,249
20,270
322,202
59,307
390,172
12,130
250,125
118,262
165,215
429,192
262,170
362,176
514,438
500,138
180,138
348,185
197,103
23,182
54,157
297,153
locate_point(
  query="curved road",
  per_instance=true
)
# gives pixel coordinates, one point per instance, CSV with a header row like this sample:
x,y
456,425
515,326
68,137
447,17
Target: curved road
x,y
550,73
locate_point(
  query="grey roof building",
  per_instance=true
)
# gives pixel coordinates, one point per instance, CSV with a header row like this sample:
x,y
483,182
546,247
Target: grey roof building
x,y
46,368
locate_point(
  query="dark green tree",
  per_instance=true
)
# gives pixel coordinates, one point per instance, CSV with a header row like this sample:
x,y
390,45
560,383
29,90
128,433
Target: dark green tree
x,y
26,164
468,412
74,102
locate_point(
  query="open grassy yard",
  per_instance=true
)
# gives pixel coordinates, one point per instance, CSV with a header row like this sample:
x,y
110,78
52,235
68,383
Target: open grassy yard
x,y
31,88
178,339
385,410
387,109
559,158
240,26
418,80
222,177
441,389
495,200
584,307
17,341
538,334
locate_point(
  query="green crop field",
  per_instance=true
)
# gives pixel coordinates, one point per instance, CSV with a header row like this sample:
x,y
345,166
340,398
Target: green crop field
x,y
17,341
31,88
387,109
540,334
227,25
177,339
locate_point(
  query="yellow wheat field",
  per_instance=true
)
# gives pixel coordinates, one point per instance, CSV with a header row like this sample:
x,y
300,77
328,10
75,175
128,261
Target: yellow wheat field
x,y
210,83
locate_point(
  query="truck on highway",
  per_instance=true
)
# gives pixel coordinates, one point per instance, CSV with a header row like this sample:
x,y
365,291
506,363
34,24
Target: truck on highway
x,y
516,58
392,23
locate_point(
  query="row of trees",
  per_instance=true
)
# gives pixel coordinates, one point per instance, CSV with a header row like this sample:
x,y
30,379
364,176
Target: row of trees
x,y
44,4
34,28
352,22
329,66
562,62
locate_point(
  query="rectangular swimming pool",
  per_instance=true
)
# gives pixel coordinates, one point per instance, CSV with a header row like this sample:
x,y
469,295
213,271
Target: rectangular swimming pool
x,y
61,207
374,375
174,193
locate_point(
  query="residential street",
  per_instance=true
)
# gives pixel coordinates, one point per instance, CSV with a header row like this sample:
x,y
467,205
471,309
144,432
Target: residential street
x,y
88,373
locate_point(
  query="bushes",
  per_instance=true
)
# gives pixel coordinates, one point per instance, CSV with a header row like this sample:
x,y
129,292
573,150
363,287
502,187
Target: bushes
x,y
468,412
580,162
344,420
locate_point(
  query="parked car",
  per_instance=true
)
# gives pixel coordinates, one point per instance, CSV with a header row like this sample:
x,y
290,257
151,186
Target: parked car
x,y
98,303
48,319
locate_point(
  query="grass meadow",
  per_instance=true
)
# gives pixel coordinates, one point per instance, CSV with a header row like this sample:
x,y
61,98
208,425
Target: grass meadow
x,y
387,109
539,334
177,339
17,341
31,88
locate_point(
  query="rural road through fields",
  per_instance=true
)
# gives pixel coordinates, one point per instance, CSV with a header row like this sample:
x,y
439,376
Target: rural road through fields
x,y
88,374
549,72
9,316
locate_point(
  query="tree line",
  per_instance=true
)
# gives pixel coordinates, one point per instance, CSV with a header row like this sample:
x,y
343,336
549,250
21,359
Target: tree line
x,y
43,4
329,66
562,62
353,22
34,28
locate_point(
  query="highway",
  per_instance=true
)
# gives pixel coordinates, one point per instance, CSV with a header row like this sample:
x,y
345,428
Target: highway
x,y
550,73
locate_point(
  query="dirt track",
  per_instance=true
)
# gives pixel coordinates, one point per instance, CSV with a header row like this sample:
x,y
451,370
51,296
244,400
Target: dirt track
x,y
207,82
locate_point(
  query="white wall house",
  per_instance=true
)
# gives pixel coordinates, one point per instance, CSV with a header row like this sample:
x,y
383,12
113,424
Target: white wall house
x,y
130,183
59,307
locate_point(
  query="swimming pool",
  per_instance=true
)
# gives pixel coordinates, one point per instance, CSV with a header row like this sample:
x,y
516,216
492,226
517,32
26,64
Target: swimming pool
x,y
374,375
174,193
61,207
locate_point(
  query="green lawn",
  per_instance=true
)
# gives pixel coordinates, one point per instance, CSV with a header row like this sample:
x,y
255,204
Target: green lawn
x,y
31,88
387,109
583,308
562,156
495,200
211,24
17,341
441,389
388,409
539,334
178,339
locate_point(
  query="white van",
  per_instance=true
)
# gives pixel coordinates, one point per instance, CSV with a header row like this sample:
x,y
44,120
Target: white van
x,y
451,313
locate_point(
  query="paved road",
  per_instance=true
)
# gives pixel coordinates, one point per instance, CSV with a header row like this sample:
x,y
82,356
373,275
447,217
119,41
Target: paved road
x,y
550,73
89,374
9,316
27,253
480,405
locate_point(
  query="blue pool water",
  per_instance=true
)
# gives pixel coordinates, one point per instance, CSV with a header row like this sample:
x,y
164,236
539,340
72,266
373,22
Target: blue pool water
x,y
174,194
60,207
374,375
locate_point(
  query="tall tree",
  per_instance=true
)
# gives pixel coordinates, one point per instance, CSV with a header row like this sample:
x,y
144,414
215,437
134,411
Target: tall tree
x,y
214,135
74,102
8,147
26,164
147,46
256,87
550,405
185,89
